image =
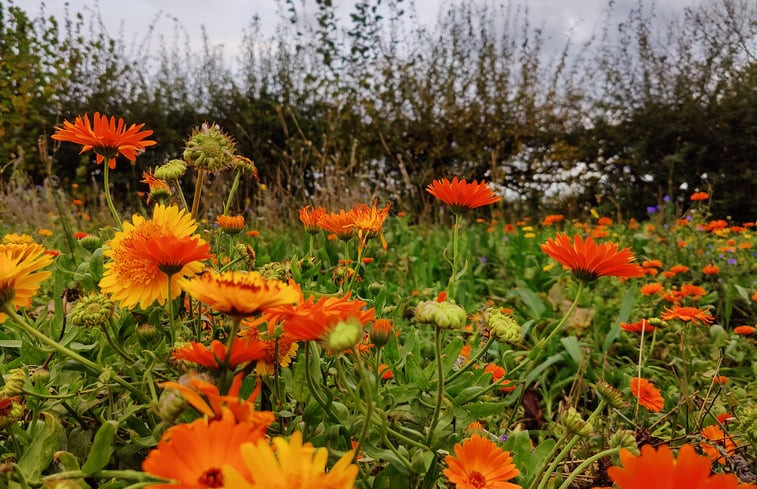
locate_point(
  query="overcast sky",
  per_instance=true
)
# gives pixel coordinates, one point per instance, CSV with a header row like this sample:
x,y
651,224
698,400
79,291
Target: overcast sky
x,y
225,20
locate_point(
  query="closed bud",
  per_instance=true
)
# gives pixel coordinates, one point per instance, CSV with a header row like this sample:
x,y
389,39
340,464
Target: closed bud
x,y
344,335
13,383
170,406
172,170
91,311
574,423
376,287
244,164
624,439
425,312
504,327
61,484
658,323
612,396
276,270
209,148
90,242
40,376
444,315
248,252
381,332
147,332
159,194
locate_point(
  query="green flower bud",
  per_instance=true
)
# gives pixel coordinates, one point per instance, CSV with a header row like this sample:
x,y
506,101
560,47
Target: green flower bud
x,y
208,147
172,170
61,484
276,270
381,331
444,315
90,242
159,194
147,332
40,376
611,395
91,311
376,287
504,327
248,252
658,323
573,422
244,164
170,405
13,383
345,335
624,439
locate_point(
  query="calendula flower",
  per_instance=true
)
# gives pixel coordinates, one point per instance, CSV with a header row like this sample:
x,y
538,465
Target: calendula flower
x,y
310,217
551,219
341,224
231,224
637,327
717,438
651,289
240,294
146,253
687,315
159,189
368,221
710,270
107,138
20,274
648,395
461,196
289,464
699,196
192,455
210,148
658,469
679,269
744,330
588,261
242,351
480,464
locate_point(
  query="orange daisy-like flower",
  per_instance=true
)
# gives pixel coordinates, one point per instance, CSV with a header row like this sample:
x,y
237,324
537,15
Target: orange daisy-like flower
x,y
551,219
648,395
368,221
105,137
240,294
21,274
588,261
266,364
192,455
637,327
699,196
651,289
310,217
480,464
242,351
146,253
290,464
717,438
498,374
230,224
744,330
462,196
341,224
689,290
710,269
312,320
658,469
687,315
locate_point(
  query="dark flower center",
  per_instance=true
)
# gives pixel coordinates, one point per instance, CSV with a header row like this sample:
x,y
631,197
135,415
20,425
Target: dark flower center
x,y
211,478
476,479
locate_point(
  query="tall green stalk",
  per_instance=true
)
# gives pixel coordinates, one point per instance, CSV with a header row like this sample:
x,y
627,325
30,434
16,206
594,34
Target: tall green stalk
x,y
451,285
108,199
440,384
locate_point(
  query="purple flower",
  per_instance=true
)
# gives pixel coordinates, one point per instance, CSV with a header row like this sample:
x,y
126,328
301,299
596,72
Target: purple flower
x,y
666,198
651,209
732,261
483,259
503,437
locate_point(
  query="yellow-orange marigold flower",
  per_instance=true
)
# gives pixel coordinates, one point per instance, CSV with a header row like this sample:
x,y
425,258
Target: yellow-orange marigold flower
x,y
147,252
648,395
192,455
589,261
20,274
310,217
289,465
717,438
240,294
107,138
242,351
687,314
480,464
710,270
462,196
341,224
744,330
651,289
14,238
230,224
368,221
658,469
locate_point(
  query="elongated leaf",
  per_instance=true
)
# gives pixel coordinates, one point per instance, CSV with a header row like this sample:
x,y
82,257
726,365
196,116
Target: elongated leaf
x,y
39,454
102,448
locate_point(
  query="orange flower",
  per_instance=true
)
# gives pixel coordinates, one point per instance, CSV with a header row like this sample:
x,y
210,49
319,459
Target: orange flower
x,y
240,294
652,263
480,464
687,315
679,269
254,233
589,261
266,364
79,235
242,351
651,289
368,221
107,138
699,196
720,379
230,224
146,253
604,221
20,274
689,290
710,269
341,224
637,327
498,374
744,330
658,469
385,372
717,438
462,196
310,217
648,395
551,219
191,455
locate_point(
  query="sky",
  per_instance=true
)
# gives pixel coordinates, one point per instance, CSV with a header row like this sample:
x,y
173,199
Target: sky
x,y
225,20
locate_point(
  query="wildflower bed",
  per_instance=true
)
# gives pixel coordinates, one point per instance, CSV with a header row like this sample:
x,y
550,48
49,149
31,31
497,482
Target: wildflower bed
x,y
372,352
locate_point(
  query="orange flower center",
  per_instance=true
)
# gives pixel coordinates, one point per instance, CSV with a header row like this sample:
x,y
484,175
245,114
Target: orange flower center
x,y
211,478
476,479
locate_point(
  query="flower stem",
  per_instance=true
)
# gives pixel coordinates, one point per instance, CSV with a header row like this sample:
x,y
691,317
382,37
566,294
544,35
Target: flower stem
x,y
116,347
440,384
232,336
198,192
455,248
586,463
171,319
365,380
181,193
313,390
45,340
543,343
234,187
108,199
472,361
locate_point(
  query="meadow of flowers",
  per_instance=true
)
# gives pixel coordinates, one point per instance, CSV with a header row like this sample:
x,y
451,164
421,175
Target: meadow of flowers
x,y
358,348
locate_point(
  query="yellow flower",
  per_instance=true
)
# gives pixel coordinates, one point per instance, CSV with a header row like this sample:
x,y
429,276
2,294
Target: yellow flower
x,y
529,235
291,464
45,232
14,238
20,275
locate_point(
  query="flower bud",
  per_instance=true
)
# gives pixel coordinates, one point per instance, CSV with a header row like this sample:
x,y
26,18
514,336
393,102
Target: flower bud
x,y
13,383
381,332
159,194
624,439
90,242
276,270
612,396
504,327
658,323
248,252
345,335
573,422
61,484
91,311
146,332
209,148
170,405
444,315
244,164
40,376
172,170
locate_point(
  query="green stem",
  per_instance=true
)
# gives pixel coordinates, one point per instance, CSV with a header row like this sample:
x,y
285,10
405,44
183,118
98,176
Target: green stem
x,y
440,384
313,390
455,248
198,192
11,312
472,361
641,351
108,199
106,474
181,193
365,380
171,319
234,187
117,348
543,343
232,336
360,250
552,453
276,374
586,463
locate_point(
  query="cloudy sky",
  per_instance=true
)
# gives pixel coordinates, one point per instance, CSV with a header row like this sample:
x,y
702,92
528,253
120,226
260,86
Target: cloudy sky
x,y
225,20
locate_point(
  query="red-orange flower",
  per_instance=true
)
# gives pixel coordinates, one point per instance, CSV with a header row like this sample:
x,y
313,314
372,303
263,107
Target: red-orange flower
x,y
744,330
648,395
462,196
498,374
637,327
710,270
191,455
687,315
230,224
368,221
717,438
480,464
651,289
342,223
658,469
679,269
242,351
551,219
589,261
310,217
699,196
106,137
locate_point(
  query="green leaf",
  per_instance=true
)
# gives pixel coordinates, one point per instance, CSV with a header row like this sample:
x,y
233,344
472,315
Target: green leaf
x,y
482,409
629,299
573,348
102,448
531,300
45,442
